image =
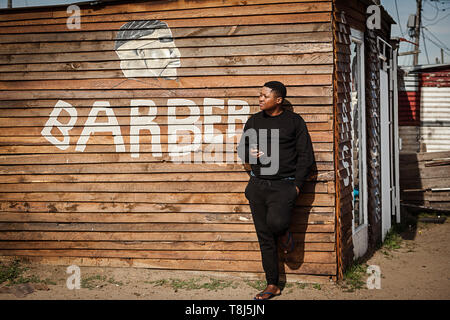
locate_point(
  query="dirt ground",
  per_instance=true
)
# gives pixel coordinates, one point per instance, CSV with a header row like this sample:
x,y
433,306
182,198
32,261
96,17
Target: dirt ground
x,y
418,269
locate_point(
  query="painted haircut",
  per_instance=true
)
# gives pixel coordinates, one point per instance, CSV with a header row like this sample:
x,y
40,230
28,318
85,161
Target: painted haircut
x,y
135,29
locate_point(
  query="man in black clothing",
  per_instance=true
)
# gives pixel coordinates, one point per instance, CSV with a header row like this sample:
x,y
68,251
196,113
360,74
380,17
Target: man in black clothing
x,y
277,144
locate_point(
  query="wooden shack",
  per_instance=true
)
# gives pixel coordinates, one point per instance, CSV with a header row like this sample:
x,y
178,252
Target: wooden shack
x,y
111,159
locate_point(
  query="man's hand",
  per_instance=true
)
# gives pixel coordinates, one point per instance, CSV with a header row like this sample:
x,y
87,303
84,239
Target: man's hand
x,y
298,190
255,153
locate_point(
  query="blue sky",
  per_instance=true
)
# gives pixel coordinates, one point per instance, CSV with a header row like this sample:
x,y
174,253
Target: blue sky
x,y
436,20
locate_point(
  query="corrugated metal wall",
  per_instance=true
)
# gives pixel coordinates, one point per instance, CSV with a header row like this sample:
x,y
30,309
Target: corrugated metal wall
x,y
110,193
424,110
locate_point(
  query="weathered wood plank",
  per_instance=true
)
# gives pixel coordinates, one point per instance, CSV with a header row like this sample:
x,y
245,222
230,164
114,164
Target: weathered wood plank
x,y
152,227
201,52
132,168
170,186
181,43
307,257
143,147
182,72
186,32
158,119
308,92
151,236
181,83
300,104
156,204
203,13
151,245
312,17
306,111
319,132
77,157
301,215
58,12
143,177
278,64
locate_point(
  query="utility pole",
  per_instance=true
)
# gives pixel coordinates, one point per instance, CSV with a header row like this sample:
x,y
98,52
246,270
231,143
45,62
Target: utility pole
x,y
417,30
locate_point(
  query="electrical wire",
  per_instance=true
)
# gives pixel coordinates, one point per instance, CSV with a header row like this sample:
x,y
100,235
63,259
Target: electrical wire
x,y
425,46
436,15
443,45
398,18
432,24
437,45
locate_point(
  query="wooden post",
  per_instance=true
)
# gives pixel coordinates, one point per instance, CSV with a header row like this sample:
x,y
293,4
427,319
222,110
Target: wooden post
x,y
417,31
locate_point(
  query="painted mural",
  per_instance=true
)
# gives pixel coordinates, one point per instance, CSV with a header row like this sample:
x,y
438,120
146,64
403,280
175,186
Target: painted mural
x,y
147,49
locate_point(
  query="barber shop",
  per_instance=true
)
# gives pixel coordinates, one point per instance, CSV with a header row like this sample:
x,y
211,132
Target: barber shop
x,y
120,123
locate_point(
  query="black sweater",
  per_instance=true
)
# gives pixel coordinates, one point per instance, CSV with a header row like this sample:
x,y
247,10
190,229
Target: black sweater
x,y
296,156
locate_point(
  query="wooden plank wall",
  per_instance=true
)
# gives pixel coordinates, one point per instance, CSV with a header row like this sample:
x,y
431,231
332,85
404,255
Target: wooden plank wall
x,y
343,139
105,206
425,179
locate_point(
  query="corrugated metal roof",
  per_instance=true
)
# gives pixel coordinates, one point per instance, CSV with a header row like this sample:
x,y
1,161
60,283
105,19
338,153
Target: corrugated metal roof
x,y
424,67
435,78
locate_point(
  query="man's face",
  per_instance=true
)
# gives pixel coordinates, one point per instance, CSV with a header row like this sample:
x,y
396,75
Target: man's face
x,y
268,99
153,55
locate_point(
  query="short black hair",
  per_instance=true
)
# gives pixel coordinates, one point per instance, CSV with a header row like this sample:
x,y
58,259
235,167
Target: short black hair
x,y
135,29
277,87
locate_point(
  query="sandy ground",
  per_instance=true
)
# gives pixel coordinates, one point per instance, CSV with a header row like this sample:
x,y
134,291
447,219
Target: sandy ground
x,y
419,269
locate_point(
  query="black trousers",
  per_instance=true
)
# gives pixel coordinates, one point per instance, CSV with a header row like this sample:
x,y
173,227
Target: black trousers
x,y
271,203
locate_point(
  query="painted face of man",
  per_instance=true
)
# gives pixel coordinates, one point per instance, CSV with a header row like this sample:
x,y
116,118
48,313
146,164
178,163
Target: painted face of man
x,y
154,55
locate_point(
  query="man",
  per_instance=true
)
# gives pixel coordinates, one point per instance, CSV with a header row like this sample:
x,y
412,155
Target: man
x,y
146,49
272,196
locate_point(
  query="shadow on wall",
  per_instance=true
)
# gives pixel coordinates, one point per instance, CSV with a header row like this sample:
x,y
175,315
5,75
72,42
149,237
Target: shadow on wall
x,y
299,226
411,186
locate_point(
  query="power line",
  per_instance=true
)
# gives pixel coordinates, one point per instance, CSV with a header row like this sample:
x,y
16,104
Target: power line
x,y
437,12
443,45
437,44
425,46
398,18
432,24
